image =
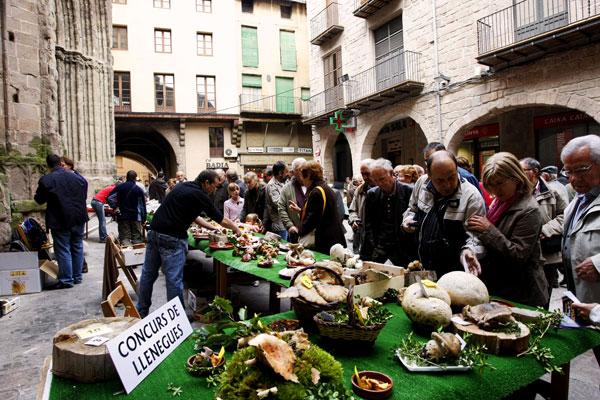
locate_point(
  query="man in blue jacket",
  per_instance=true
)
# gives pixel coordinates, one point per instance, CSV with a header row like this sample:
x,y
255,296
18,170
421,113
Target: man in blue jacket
x,y
131,203
66,214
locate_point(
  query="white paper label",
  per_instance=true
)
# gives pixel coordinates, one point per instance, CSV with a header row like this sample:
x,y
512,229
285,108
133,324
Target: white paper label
x,y
97,341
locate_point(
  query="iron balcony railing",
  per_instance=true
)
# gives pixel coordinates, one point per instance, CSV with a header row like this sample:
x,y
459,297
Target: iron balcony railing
x,y
272,104
530,18
324,20
326,102
390,70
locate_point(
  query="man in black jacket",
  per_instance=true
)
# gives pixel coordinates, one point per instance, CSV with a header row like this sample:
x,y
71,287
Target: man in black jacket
x,y
158,187
385,204
66,214
132,210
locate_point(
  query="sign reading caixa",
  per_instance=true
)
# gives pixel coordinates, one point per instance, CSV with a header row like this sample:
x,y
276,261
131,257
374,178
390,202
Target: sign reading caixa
x,y
137,351
210,164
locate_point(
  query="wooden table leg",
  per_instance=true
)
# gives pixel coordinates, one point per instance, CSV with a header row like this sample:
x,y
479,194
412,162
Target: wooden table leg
x,y
221,270
559,383
274,303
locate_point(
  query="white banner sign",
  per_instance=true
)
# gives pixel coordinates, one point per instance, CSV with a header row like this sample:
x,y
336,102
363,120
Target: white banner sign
x,y
141,348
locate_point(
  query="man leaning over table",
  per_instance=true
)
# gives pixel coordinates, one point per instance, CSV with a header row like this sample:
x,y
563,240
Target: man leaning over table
x,y
167,238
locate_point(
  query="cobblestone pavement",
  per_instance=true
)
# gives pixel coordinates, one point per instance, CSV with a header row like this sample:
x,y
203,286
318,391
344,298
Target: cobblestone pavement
x,y
26,334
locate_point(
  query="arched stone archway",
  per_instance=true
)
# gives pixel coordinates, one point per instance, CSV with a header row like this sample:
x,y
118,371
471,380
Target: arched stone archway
x,y
141,159
456,130
370,132
329,137
147,146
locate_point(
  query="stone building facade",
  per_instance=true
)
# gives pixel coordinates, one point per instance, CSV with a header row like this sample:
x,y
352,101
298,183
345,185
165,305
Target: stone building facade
x,y
56,97
234,73
478,76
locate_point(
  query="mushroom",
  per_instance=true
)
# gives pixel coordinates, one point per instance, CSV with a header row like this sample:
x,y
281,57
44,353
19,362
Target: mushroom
x,y
442,345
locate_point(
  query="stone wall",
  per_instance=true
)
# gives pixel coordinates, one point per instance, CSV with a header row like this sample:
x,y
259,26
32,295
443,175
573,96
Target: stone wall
x,y
568,79
56,97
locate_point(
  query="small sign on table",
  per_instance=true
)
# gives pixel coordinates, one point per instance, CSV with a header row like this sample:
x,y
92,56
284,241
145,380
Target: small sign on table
x,y
141,348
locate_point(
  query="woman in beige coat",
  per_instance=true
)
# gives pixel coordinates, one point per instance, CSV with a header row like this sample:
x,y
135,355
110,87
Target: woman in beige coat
x,y
513,267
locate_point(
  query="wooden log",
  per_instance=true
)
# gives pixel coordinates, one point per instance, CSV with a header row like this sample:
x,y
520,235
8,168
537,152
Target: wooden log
x,y
73,359
497,342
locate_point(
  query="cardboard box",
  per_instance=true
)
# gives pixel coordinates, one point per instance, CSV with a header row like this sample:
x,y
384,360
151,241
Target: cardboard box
x,y
19,273
134,255
8,305
378,288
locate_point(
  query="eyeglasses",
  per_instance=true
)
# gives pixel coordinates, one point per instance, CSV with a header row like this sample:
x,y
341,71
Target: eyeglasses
x,y
577,171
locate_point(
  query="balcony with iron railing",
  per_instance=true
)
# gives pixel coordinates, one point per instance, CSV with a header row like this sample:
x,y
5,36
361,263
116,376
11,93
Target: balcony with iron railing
x,y
278,104
325,25
321,105
366,8
531,29
394,77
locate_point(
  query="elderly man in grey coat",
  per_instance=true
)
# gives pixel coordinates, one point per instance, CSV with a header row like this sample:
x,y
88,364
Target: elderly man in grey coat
x,y
294,191
581,238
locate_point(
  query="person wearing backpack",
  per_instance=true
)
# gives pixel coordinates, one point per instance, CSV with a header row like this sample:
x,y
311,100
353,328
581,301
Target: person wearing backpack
x,y
66,214
320,222
131,203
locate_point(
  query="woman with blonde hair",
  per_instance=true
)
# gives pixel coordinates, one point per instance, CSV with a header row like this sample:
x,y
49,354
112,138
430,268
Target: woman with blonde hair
x,y
513,267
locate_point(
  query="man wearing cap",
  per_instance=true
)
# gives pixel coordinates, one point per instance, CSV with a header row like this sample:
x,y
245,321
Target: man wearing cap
x,y
549,174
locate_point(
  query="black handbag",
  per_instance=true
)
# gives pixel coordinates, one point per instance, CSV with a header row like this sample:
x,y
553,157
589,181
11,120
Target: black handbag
x,y
552,244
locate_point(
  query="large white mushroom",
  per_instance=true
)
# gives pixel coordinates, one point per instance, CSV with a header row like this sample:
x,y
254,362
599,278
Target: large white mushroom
x,y
464,288
433,311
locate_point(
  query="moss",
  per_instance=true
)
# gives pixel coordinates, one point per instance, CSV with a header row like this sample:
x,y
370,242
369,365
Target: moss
x,y
16,219
25,206
240,381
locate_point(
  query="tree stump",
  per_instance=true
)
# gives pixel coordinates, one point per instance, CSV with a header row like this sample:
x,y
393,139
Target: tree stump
x,y
497,342
73,359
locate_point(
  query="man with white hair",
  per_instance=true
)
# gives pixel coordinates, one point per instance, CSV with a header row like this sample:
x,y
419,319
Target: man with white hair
x,y
357,207
293,191
581,238
384,206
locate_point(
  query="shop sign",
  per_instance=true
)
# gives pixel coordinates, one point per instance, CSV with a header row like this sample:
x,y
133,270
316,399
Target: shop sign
x,y
394,145
305,150
216,164
562,119
482,131
256,149
280,149
141,348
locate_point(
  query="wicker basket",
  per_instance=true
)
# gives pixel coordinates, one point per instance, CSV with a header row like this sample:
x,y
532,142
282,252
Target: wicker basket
x,y
305,311
350,332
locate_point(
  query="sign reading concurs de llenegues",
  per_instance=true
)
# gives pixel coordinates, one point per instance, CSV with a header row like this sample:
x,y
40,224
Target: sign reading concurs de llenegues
x,y
141,348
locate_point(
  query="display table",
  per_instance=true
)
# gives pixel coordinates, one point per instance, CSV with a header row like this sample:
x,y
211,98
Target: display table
x,y
510,374
223,259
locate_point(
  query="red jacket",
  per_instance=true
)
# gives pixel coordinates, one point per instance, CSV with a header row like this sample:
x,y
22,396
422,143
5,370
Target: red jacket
x,y
102,195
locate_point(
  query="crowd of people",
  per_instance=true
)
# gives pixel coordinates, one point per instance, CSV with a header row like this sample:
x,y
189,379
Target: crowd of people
x,y
515,228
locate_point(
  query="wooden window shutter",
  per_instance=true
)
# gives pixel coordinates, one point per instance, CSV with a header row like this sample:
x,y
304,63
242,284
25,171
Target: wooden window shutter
x,y
287,48
249,47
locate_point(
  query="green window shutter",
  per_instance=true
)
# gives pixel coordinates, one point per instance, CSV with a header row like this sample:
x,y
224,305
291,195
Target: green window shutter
x,y
287,45
251,81
304,93
249,47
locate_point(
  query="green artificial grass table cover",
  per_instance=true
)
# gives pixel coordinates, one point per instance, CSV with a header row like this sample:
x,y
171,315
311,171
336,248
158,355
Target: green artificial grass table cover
x,y
251,267
510,374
